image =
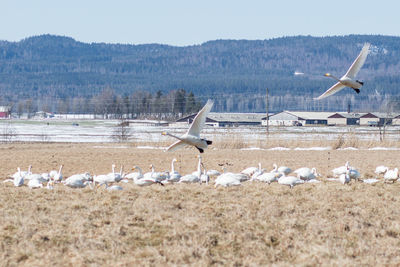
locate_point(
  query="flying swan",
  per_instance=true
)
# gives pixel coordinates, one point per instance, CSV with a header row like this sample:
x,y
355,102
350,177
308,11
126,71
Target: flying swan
x,y
192,136
348,79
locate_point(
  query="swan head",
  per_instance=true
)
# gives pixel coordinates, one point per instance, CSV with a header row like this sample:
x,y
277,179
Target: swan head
x,y
164,133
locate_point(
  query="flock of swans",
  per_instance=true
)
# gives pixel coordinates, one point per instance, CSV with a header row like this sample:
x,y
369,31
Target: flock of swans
x,y
192,137
282,175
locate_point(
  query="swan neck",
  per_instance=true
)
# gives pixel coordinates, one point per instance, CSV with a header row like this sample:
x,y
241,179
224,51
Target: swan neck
x,y
199,166
334,77
172,135
172,166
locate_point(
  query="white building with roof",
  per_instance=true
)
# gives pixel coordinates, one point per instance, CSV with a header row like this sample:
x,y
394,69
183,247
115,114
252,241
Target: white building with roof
x,y
217,119
292,118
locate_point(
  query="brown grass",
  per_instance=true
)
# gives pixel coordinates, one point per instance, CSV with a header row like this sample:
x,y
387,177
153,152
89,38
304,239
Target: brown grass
x,y
254,224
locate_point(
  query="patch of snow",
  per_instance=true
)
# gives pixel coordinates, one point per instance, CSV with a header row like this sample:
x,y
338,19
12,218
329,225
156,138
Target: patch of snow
x,y
384,148
370,181
279,148
252,148
110,147
314,148
332,179
348,148
151,147
313,181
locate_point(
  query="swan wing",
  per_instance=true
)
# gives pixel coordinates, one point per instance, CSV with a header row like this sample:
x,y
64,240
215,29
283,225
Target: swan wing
x,y
359,62
175,146
335,88
200,119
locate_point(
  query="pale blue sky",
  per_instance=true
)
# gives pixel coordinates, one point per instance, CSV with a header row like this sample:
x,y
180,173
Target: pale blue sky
x,y
180,22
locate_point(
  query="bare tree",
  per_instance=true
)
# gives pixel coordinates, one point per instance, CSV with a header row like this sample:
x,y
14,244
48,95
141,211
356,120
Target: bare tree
x,y
122,131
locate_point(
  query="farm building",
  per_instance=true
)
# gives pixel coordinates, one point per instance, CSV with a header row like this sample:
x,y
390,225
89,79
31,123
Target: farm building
x,y
225,119
396,120
345,118
5,112
379,118
292,118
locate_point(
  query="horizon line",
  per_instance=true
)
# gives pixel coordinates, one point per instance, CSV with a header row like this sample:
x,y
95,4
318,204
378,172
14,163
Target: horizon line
x,y
188,45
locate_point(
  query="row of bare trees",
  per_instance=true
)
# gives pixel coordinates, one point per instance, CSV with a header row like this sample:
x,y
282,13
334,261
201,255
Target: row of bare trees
x,y
108,104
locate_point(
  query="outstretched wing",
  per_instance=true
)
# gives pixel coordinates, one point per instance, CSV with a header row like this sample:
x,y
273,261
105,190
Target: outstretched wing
x,y
175,146
359,62
200,119
335,88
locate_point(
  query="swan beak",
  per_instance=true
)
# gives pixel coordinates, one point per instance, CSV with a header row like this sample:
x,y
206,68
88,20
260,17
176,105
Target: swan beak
x,y
327,74
164,133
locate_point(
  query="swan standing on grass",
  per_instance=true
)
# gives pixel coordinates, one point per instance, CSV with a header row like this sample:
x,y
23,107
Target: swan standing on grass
x,y
391,175
192,136
347,80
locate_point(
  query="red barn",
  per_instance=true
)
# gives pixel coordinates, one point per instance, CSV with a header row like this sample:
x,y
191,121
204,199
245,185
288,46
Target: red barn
x,y
5,112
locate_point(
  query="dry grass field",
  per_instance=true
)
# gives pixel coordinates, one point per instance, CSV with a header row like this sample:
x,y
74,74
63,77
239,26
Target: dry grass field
x,y
251,225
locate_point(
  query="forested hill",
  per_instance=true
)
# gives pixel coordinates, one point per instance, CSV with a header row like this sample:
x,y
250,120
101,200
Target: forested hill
x,y
226,70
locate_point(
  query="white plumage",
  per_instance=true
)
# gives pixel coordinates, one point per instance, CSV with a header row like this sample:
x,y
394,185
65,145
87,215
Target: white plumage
x,y
348,80
192,136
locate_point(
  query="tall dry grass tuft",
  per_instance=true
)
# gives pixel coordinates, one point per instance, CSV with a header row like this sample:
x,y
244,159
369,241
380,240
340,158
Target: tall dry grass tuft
x,y
339,142
230,141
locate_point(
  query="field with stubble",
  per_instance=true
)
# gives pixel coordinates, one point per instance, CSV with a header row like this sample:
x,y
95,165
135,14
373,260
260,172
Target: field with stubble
x,y
254,224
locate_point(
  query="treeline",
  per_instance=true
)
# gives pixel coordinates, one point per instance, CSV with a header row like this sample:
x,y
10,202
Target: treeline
x,y
109,105
53,70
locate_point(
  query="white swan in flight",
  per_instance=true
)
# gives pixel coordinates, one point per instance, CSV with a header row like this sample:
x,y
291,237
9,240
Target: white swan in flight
x,y
192,136
348,80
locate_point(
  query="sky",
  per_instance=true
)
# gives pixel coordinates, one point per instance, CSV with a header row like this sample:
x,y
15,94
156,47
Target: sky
x,y
188,22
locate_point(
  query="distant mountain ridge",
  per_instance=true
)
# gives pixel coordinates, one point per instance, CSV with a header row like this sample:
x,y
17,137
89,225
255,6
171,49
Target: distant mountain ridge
x,y
61,67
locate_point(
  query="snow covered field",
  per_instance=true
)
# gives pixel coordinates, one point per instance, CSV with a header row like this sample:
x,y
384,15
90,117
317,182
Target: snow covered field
x,y
98,131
